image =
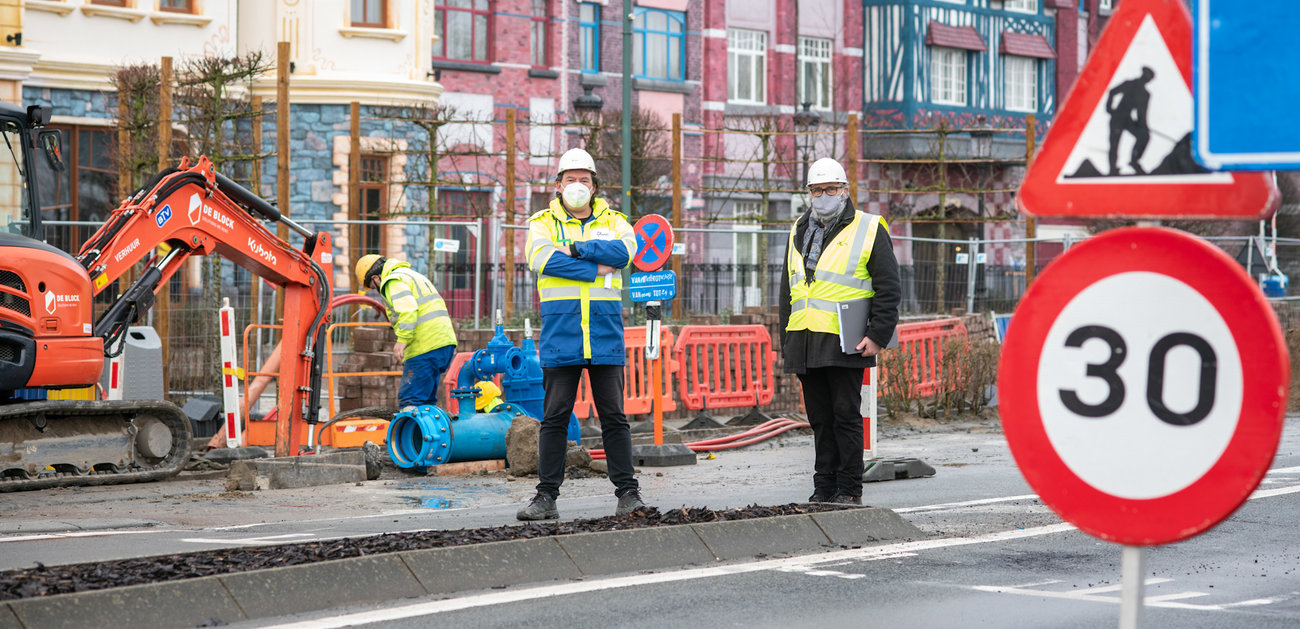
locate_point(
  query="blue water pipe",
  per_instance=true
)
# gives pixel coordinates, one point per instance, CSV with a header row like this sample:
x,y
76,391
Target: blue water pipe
x,y
521,381
426,435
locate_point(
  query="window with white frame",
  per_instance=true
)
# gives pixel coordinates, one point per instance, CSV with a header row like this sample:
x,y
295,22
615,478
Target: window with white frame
x,y
1020,77
947,76
1022,6
659,44
815,72
746,66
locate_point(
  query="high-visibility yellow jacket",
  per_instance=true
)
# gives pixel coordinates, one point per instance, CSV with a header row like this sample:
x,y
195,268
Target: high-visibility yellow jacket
x,y
415,309
582,313
805,349
841,275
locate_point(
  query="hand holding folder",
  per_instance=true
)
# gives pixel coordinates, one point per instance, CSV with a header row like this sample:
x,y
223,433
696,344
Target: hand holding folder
x,y
855,316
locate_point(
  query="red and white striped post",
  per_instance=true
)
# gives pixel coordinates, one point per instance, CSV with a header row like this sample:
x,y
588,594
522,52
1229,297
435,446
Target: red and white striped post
x,y
114,391
230,376
869,412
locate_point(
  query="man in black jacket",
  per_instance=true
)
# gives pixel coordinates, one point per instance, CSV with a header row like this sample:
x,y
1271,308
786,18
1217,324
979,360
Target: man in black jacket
x,y
835,254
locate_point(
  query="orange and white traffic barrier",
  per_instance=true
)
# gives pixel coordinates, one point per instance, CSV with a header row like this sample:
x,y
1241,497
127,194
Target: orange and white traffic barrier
x,y
114,391
230,375
869,412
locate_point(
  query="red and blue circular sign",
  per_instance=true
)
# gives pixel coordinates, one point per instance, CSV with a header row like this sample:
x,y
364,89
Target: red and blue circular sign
x,y
1144,383
654,242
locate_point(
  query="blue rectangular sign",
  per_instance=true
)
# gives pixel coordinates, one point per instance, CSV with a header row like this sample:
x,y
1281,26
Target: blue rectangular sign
x,y
656,286
1246,82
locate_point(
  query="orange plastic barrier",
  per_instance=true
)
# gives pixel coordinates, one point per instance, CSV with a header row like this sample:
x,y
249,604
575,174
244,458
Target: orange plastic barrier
x,y
637,395
724,366
924,341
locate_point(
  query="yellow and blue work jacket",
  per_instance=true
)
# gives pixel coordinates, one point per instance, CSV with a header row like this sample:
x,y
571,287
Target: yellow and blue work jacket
x,y
582,314
415,309
841,275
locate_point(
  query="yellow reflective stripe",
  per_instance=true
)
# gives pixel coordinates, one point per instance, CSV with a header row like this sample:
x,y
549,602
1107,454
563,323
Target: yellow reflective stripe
x,y
600,292
407,325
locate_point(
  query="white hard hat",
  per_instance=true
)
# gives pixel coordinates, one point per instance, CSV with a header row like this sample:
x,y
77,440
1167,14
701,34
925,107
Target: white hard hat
x,y
576,159
826,170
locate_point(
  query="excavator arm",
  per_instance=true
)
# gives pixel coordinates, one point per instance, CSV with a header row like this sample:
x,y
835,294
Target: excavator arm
x,y
193,210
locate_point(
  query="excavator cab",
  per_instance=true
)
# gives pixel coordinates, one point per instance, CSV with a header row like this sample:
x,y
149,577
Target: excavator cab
x,y
28,159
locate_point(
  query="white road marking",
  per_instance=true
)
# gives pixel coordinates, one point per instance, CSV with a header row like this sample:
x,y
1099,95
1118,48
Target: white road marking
x,y
29,538
1100,595
562,589
968,503
269,539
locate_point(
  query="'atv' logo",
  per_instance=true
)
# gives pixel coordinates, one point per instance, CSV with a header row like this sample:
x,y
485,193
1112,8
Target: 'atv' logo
x,y
196,209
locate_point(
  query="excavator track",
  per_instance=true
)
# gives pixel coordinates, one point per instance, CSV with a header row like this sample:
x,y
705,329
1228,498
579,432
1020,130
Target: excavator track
x,y
67,443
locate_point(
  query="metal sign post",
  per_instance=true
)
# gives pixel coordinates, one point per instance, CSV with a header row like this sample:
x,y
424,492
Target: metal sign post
x,y
653,314
654,240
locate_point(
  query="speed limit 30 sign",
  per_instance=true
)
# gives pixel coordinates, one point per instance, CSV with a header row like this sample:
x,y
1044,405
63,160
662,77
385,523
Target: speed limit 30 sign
x,y
1143,386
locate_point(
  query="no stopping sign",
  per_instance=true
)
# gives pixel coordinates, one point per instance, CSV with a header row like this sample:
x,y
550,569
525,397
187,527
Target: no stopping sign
x,y
1143,386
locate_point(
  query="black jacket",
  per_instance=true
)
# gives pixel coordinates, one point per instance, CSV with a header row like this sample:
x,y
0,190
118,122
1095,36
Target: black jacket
x,y
805,350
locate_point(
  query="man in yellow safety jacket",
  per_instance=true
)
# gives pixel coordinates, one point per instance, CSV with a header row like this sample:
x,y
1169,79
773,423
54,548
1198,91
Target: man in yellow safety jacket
x,y
576,246
835,254
426,341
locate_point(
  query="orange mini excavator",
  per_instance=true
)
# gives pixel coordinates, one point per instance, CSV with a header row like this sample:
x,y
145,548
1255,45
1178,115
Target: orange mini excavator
x,y
49,338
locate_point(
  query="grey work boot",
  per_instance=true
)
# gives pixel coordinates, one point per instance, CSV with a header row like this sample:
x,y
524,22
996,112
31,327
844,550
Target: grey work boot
x,y
542,507
629,502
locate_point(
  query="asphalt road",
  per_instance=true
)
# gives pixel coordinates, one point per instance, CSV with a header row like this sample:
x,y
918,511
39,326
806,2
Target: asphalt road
x,y
1244,573
997,557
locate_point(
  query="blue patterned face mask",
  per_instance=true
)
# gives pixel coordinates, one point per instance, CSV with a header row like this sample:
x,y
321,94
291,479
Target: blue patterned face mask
x,y
826,207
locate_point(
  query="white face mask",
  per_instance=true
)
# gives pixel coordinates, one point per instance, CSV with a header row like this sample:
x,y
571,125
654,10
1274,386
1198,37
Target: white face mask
x,y
576,195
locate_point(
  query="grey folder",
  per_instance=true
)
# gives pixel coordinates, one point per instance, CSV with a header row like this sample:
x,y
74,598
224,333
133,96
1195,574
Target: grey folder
x,y
854,316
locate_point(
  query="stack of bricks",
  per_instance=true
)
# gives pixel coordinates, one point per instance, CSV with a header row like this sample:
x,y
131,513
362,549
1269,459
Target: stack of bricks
x,y
372,350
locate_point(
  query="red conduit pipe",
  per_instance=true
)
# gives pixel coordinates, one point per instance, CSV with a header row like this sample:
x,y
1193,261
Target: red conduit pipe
x,y
762,432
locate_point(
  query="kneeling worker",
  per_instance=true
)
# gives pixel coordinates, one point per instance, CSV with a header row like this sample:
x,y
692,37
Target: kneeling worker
x,y
576,247
426,342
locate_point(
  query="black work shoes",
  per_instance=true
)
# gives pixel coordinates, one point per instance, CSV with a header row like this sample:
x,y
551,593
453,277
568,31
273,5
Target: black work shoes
x,y
542,507
845,499
629,502
820,497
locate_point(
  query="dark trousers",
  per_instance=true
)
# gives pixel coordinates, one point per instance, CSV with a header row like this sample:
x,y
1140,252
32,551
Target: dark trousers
x,y
833,398
561,384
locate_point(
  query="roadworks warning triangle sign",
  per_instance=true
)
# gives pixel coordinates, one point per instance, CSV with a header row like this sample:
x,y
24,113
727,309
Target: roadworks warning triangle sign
x,y
1121,145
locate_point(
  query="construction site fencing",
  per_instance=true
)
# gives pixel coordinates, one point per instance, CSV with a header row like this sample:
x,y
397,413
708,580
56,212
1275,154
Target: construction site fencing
x,y
472,279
